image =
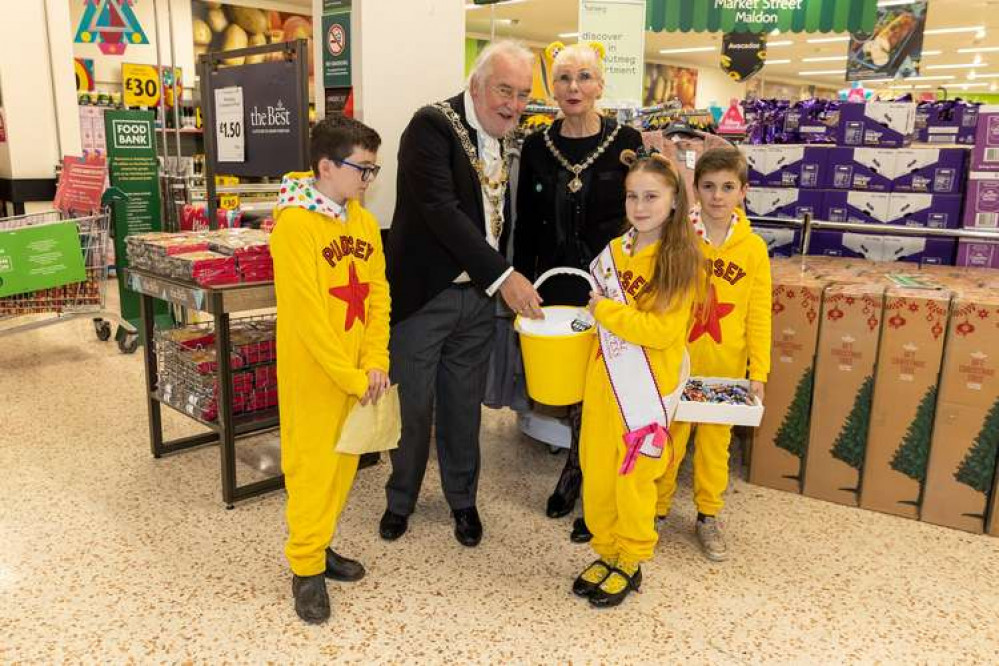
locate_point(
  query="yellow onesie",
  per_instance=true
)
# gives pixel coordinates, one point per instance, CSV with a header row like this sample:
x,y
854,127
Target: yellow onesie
x,y
730,334
620,510
332,327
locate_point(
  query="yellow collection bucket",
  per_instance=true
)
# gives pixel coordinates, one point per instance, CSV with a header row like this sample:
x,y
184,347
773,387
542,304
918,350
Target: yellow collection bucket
x,y
555,356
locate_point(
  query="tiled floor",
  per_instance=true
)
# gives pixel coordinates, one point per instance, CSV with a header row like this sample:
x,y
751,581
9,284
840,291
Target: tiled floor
x,y
107,555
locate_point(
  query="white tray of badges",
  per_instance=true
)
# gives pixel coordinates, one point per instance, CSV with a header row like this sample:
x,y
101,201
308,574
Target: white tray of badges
x,y
691,411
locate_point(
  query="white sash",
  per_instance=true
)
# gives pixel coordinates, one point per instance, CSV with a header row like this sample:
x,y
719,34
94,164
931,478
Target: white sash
x,y
647,413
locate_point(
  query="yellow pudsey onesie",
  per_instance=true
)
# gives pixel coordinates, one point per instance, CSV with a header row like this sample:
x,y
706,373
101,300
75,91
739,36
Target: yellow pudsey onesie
x,y
620,509
332,327
730,334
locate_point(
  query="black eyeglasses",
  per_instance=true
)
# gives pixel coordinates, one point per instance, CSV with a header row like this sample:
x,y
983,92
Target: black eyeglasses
x,y
368,173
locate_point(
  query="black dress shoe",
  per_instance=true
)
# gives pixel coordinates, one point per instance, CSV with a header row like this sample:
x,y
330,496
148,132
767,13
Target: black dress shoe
x,y
343,569
467,527
580,532
392,525
312,603
602,599
563,500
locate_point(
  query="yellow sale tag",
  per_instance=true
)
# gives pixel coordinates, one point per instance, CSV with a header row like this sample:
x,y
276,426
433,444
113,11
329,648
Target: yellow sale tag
x,y
141,85
229,201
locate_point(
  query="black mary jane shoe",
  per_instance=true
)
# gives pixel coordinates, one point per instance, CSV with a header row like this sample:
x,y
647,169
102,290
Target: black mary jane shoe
x,y
342,568
580,532
584,588
602,599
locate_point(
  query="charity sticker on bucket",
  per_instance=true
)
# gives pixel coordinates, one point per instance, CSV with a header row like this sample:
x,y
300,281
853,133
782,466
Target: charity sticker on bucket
x,y
556,349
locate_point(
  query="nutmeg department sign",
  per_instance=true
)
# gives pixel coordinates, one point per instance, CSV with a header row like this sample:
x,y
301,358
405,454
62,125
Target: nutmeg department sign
x,y
760,15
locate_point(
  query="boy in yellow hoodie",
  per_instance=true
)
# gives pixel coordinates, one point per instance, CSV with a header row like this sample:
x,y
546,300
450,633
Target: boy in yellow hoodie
x,y
730,335
332,343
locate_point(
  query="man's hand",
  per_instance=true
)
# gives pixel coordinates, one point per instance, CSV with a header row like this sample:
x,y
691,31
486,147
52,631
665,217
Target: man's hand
x,y
378,384
521,296
758,389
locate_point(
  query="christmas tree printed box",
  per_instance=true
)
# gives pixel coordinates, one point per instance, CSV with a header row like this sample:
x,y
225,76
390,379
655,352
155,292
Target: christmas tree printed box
x,y
844,387
779,443
905,397
962,461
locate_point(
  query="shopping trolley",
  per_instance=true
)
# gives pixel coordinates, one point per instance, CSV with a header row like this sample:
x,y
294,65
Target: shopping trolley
x,y
71,301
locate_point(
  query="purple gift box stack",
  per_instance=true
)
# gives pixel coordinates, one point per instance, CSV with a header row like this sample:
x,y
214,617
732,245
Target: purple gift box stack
x,y
981,205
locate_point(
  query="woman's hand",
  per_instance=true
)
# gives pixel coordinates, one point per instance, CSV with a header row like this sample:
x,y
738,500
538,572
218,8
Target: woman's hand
x,y
594,299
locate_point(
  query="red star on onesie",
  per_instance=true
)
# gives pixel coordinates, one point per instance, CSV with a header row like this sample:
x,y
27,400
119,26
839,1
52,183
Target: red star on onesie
x,y
354,293
709,316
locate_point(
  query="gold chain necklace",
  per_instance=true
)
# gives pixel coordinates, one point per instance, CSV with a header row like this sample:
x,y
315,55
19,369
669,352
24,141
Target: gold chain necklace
x,y
576,184
495,190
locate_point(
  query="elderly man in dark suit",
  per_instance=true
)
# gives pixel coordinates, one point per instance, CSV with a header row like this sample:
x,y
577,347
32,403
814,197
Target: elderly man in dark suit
x,y
445,264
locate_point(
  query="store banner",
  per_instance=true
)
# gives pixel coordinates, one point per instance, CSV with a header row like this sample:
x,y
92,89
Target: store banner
x,y
40,257
81,185
272,137
666,83
743,54
134,173
760,15
619,26
895,46
225,26
336,43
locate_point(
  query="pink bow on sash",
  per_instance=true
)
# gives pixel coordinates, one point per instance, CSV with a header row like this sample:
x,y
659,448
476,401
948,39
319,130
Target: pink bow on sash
x,y
633,443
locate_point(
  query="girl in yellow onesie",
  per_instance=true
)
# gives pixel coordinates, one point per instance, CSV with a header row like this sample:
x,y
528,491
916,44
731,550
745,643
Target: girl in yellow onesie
x,y
730,335
332,343
647,281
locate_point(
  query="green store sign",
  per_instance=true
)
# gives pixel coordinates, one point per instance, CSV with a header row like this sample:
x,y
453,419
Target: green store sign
x,y
760,15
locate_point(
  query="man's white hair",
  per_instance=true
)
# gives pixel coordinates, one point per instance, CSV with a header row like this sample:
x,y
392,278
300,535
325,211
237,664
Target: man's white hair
x,y
484,64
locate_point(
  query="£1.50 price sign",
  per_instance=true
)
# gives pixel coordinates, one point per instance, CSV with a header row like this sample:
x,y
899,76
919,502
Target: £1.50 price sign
x,y
229,132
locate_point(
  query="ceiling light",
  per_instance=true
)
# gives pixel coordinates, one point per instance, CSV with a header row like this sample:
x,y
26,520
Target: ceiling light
x,y
949,31
693,49
568,35
932,53
781,42
965,86
823,72
824,59
828,40
986,76
967,65
498,4
893,3
993,87
939,77
921,87
979,49
778,62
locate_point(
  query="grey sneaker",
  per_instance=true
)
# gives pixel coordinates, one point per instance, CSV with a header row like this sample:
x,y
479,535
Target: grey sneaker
x,y
709,533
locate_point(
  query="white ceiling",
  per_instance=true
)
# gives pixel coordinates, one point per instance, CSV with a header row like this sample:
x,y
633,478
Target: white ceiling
x,y
541,22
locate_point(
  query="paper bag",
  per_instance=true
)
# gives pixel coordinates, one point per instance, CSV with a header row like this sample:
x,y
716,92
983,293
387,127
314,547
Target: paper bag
x,y
372,428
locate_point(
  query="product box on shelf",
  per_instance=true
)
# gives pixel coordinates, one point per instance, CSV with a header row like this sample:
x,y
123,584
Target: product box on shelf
x,y
781,241
962,455
978,253
931,170
779,443
787,165
858,207
876,124
844,386
786,202
934,211
981,201
905,398
946,122
985,155
883,247
867,169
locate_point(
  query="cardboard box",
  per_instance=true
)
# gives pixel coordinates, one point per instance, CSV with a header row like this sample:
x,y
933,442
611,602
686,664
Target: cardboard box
x,y
859,207
789,203
962,461
757,159
785,165
947,123
866,169
930,170
934,211
905,398
883,247
781,242
985,155
978,253
876,124
844,389
981,201
780,442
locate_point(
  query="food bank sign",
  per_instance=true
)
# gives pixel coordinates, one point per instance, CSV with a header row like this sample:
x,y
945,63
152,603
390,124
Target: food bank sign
x,y
760,15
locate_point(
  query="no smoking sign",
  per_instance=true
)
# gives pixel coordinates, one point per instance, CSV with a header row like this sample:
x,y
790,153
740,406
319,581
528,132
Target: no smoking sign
x,y
336,39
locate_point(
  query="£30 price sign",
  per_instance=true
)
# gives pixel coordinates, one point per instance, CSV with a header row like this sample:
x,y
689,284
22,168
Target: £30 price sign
x,y
141,85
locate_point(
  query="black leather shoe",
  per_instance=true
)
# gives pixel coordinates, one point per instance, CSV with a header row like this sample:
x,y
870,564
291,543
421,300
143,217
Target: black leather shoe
x,y
563,500
467,527
343,569
602,599
584,588
392,525
312,603
580,532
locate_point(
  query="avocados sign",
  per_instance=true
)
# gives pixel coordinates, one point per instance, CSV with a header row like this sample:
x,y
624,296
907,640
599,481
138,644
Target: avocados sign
x,y
760,15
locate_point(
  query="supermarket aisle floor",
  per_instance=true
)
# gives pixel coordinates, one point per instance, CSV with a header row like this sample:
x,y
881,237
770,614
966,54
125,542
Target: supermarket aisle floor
x,y
108,555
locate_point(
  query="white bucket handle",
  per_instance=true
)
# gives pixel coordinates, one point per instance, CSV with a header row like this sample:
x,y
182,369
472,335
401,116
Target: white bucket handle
x,y
565,270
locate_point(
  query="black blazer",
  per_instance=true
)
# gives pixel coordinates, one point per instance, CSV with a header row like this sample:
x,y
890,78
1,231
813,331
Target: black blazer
x,y
438,229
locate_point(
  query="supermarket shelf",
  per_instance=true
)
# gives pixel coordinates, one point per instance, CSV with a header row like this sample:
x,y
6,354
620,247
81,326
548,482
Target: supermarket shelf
x,y
234,298
976,234
243,424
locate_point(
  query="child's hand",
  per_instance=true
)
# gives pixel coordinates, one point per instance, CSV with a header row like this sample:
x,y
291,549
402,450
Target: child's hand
x,y
758,389
594,299
378,384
